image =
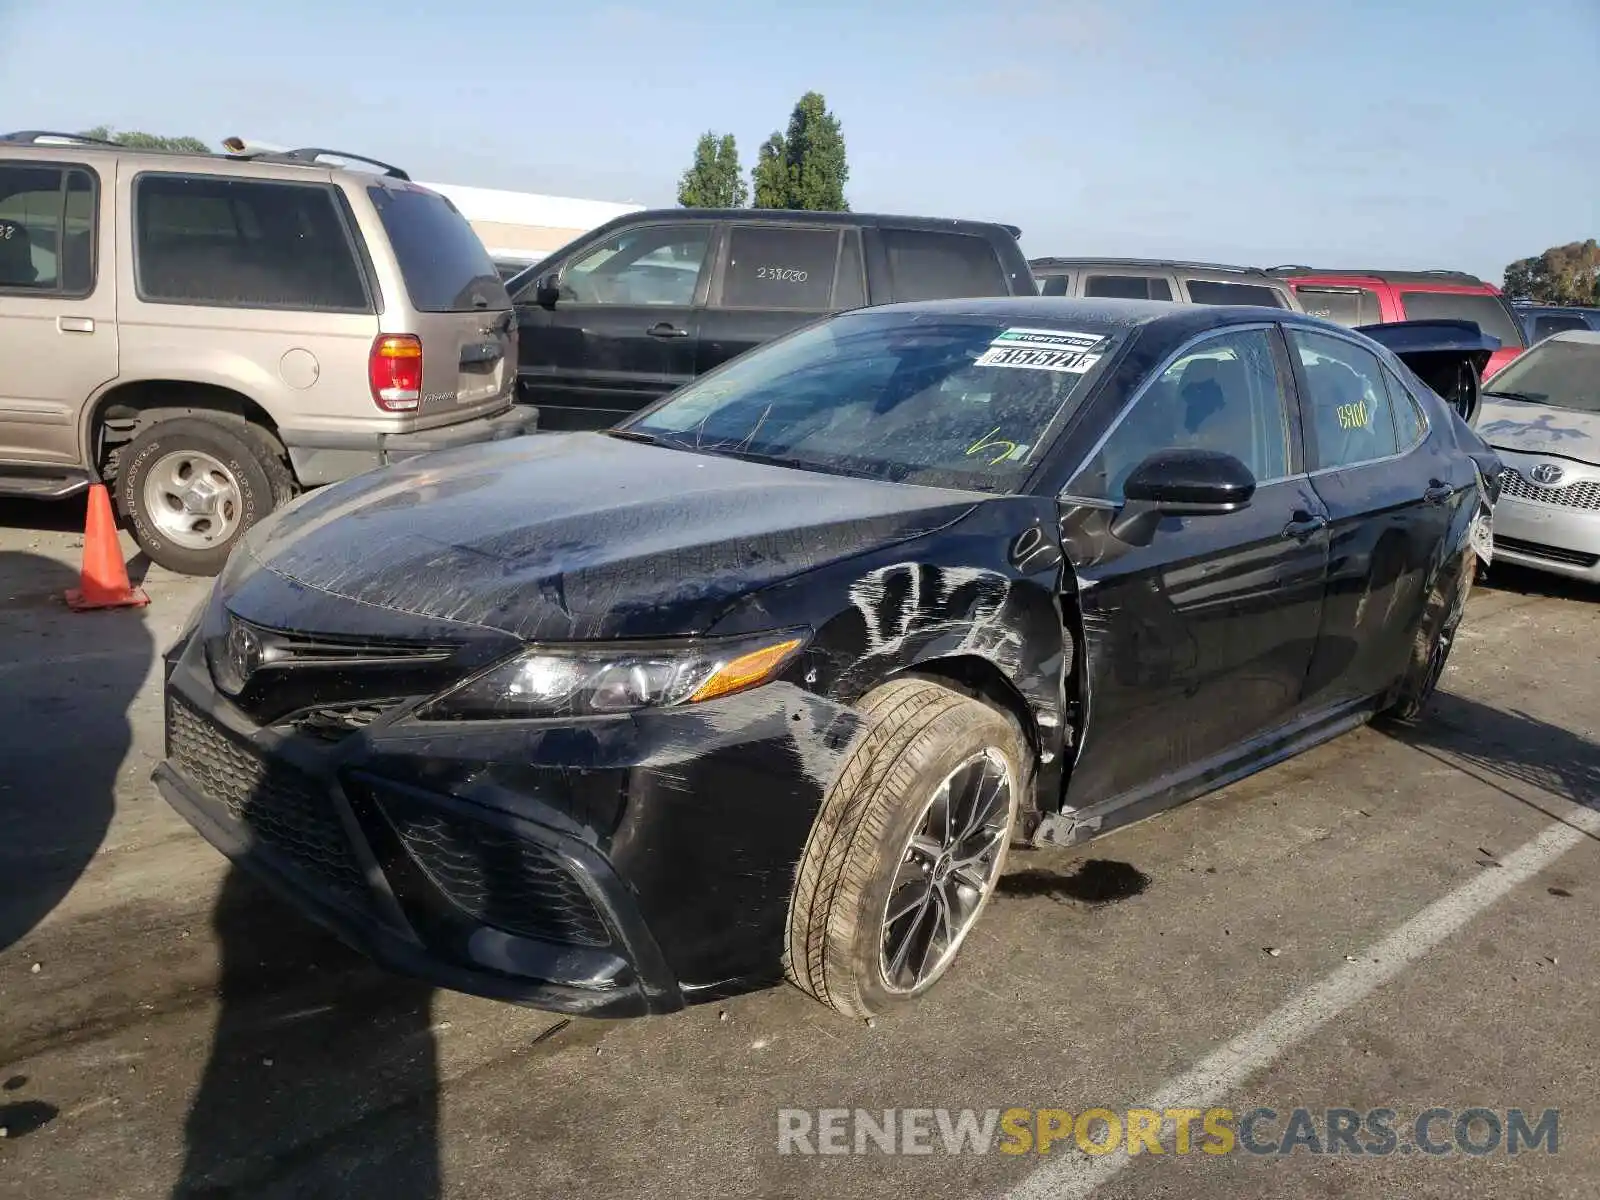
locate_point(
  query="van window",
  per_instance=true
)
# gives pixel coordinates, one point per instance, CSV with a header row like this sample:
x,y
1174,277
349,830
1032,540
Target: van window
x,y
785,268
47,227
445,266
1544,326
647,264
1487,311
1210,291
926,265
1127,287
243,243
1347,306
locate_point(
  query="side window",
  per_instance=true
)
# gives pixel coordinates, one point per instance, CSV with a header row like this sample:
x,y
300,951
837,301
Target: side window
x,y
925,265
652,264
1223,394
1127,287
243,243
1347,306
1408,426
1211,291
1348,412
1544,326
47,227
770,266
1052,285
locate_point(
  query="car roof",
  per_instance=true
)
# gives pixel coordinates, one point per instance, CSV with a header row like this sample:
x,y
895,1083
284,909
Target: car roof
x,y
1453,278
1176,264
809,217
51,145
1589,337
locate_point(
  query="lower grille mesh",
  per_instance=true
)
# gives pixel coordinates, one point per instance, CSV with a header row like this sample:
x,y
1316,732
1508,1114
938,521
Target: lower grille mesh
x,y
281,805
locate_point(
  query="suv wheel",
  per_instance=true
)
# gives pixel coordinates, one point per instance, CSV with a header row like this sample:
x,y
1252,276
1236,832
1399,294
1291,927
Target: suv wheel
x,y
191,486
907,848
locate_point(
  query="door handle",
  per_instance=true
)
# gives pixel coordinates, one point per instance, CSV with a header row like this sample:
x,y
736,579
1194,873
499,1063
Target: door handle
x,y
75,324
664,329
1304,525
1438,493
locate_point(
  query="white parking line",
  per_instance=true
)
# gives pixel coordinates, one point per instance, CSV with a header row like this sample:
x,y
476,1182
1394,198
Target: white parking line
x,y
1222,1072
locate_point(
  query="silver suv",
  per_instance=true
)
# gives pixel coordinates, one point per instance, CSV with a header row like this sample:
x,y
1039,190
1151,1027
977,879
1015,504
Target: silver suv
x,y
211,333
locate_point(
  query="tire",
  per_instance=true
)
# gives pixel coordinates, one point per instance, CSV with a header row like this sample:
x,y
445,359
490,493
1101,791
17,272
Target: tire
x,y
243,479
917,733
1430,652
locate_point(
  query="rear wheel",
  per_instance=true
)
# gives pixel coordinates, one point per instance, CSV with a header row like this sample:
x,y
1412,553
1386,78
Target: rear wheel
x,y
907,848
190,487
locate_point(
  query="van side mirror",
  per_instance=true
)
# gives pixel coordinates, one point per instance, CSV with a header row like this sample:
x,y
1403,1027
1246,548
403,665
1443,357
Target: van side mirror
x,y
1180,483
547,290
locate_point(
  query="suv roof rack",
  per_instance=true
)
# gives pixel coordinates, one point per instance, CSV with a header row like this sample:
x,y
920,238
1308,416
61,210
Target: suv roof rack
x,y
237,148
33,136
1177,263
1390,276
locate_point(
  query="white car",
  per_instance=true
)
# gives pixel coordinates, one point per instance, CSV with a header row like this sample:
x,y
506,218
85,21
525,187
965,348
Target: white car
x,y
1542,416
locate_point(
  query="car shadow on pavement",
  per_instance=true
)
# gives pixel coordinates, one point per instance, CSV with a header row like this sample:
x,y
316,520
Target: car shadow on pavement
x,y
1525,581
1508,750
66,684
322,1077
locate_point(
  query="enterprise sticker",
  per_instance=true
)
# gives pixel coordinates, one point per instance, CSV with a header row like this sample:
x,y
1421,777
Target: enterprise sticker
x,y
1043,350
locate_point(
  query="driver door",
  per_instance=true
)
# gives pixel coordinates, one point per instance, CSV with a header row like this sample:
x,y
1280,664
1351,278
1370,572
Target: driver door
x,y
624,330
1201,640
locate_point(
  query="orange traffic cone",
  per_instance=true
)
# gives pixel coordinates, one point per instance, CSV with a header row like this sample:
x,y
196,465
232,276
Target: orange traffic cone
x,y
104,580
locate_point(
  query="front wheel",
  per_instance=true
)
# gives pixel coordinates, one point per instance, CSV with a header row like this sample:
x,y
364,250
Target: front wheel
x,y
907,849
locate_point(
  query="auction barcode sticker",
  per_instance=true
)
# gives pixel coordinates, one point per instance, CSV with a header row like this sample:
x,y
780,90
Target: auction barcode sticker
x,y
1043,350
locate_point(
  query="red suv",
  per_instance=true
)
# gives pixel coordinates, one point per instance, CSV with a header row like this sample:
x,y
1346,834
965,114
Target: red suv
x,y
1380,297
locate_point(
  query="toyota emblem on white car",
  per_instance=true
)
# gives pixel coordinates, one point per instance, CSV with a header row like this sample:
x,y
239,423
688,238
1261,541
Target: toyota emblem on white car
x,y
1546,474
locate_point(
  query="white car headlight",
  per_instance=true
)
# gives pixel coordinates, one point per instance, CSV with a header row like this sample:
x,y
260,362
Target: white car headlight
x,y
599,678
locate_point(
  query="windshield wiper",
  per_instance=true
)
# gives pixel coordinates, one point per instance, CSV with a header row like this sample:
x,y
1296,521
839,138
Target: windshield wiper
x,y
634,435
1524,396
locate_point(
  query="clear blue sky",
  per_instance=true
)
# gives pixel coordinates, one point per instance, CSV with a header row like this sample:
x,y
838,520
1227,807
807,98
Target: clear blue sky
x,y
1407,133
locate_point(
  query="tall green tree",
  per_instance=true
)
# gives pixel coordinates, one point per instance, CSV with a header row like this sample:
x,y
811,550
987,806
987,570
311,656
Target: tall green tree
x,y
805,167
715,179
135,140
1567,274
770,175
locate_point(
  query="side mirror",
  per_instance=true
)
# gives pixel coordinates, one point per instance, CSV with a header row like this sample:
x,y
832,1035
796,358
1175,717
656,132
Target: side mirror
x,y
547,290
1180,483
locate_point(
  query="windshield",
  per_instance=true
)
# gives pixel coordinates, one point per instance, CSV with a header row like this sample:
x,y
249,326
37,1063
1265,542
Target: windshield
x,y
1560,373
947,401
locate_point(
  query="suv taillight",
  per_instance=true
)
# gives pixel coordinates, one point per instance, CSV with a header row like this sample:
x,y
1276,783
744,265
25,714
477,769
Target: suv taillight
x,y
394,369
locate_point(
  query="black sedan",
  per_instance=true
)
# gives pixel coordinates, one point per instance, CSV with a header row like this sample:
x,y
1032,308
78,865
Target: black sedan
x,y
765,682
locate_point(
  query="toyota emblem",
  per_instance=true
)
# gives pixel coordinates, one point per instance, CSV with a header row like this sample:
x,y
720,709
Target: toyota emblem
x,y
1546,474
244,653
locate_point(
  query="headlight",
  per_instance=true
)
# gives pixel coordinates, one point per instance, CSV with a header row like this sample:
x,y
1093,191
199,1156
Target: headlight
x,y
608,677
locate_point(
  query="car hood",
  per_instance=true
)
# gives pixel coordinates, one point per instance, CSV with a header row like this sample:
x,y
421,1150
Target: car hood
x,y
578,536
1530,428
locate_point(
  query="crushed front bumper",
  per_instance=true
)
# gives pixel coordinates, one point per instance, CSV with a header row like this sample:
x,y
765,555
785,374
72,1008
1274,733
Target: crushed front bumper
x,y
616,868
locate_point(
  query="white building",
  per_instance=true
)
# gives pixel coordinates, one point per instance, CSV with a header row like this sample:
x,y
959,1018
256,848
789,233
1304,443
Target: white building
x,y
526,226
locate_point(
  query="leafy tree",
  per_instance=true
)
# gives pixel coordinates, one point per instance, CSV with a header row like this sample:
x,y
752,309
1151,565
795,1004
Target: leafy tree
x,y
147,141
1567,274
715,180
770,175
805,167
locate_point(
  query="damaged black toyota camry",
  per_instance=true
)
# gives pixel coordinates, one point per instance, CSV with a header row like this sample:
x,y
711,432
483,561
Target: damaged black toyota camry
x,y
765,682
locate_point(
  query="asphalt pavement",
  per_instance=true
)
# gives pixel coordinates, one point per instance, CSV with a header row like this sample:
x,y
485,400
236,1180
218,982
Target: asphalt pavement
x,y
1397,922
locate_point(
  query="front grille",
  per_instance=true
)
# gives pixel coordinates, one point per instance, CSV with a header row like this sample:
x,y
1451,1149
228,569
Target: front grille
x,y
1573,558
285,808
331,722
1583,495
498,878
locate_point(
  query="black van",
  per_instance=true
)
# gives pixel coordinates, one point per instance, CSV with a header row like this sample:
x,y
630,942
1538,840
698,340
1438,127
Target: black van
x,y
651,299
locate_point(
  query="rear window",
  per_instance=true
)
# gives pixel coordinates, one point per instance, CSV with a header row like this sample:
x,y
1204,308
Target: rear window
x,y
1208,291
1127,287
243,243
773,267
1347,306
1487,311
445,266
1544,326
941,266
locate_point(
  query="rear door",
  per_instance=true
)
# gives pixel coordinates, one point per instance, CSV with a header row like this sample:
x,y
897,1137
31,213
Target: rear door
x,y
1390,498
773,277
624,329
58,305
1199,641
458,305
